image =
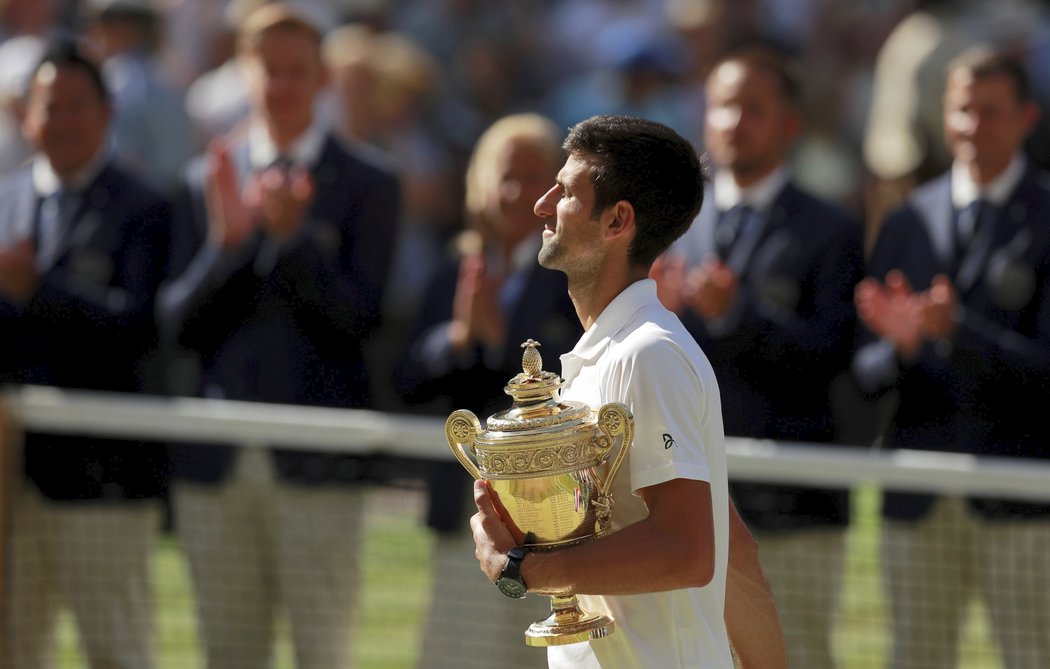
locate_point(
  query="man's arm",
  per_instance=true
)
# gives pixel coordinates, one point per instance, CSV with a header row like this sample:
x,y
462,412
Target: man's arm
x,y
668,550
750,612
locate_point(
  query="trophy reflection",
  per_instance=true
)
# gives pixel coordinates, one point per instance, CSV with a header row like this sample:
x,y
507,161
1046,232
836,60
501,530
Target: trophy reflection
x,y
550,465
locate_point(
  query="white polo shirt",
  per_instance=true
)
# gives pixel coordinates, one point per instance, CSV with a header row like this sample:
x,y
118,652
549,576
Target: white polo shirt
x,y
638,353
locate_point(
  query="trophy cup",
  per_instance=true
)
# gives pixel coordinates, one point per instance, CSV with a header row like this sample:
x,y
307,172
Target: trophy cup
x,y
550,466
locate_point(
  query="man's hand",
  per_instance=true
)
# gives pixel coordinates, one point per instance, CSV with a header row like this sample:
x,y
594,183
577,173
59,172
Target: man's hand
x,y
937,319
492,539
669,273
476,315
230,219
711,289
281,198
18,274
892,311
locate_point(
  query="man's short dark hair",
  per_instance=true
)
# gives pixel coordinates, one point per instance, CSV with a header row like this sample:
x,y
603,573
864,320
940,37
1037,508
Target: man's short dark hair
x,y
66,54
649,165
984,61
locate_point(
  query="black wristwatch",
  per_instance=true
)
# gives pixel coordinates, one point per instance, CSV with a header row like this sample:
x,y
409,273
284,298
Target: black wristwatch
x,y
510,582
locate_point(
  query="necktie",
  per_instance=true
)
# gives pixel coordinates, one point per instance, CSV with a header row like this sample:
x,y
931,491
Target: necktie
x,y
967,224
55,212
283,163
730,227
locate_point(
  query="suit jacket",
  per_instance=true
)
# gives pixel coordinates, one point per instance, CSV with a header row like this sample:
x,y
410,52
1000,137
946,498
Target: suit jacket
x,y
983,392
786,338
286,322
89,326
437,380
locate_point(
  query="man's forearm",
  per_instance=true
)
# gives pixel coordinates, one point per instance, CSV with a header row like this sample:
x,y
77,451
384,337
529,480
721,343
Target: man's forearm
x,y
750,612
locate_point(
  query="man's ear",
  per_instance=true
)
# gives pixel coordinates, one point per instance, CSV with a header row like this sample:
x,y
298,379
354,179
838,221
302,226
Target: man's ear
x,y
621,219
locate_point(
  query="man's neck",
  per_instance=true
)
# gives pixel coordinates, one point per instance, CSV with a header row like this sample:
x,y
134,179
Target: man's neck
x,y
982,175
747,178
592,295
284,135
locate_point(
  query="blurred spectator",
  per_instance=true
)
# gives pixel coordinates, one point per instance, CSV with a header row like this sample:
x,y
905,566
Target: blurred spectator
x,y
82,249
957,306
764,281
285,243
903,144
478,310
150,133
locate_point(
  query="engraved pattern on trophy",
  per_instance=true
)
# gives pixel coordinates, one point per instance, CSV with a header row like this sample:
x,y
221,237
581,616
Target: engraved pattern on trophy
x,y
550,466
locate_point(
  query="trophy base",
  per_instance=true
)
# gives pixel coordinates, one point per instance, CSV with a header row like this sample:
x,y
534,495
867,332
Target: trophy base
x,y
568,624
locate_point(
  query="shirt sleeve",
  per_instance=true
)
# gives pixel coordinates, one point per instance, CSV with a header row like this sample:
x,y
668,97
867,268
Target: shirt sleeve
x,y
672,414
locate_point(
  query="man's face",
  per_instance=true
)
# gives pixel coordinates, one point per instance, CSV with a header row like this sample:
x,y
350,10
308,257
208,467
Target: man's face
x,y
749,125
285,73
985,123
66,117
570,232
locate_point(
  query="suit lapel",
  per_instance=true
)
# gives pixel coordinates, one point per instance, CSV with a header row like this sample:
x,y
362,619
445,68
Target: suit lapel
x,y
974,261
740,258
934,211
87,217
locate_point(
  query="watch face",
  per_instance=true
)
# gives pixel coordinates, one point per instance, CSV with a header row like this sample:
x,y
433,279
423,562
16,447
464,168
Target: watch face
x,y
511,588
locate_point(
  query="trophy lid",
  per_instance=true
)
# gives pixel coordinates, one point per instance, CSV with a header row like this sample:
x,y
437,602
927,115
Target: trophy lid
x,y
537,402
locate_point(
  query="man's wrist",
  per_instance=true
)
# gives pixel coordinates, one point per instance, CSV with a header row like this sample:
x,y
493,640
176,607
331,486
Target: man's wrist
x,y
510,581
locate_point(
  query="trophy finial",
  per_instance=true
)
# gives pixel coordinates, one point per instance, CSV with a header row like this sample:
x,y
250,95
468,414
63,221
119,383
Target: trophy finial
x,y
531,362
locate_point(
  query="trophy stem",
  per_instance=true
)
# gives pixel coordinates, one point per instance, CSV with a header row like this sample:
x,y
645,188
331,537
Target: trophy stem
x,y
568,623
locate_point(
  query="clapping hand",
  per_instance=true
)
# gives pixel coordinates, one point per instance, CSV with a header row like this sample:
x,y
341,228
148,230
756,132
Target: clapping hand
x,y
668,271
711,289
230,219
896,312
281,197
476,315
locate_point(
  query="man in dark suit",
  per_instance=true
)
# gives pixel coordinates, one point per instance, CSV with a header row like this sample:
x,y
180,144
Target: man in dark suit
x,y
957,308
82,250
764,281
289,237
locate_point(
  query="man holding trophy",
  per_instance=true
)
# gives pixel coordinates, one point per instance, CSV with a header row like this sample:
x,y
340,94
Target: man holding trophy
x,y
665,570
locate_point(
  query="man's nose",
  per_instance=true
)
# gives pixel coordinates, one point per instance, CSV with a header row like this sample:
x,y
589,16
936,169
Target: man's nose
x,y
544,207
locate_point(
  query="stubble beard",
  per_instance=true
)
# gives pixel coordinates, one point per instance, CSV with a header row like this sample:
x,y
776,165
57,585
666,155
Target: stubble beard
x,y
576,266
548,253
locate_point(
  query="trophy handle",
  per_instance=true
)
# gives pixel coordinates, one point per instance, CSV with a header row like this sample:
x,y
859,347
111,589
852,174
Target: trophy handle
x,y
462,430
615,419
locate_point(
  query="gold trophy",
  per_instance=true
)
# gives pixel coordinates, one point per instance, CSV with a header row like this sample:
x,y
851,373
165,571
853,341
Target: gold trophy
x,y
550,466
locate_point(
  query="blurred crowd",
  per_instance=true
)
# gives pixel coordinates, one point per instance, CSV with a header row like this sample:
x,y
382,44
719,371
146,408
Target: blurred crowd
x,y
329,202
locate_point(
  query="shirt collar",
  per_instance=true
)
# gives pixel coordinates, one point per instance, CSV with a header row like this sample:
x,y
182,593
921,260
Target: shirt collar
x,y
305,150
965,190
47,182
614,318
758,195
